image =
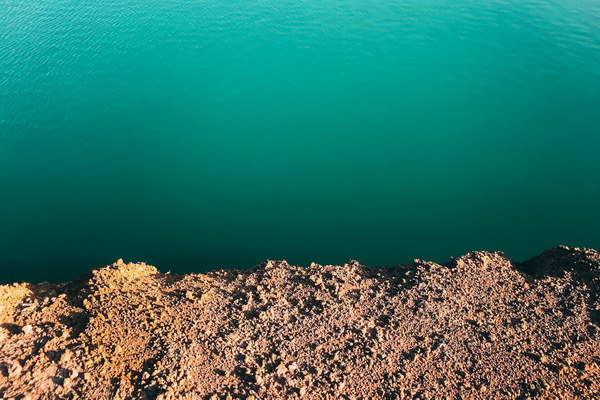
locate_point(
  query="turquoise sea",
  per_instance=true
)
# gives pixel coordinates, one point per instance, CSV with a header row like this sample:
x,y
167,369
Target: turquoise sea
x,y
201,134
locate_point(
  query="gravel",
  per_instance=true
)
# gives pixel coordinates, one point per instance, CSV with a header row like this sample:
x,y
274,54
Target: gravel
x,y
476,327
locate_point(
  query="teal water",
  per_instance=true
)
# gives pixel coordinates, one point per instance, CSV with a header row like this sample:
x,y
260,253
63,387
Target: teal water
x,y
209,133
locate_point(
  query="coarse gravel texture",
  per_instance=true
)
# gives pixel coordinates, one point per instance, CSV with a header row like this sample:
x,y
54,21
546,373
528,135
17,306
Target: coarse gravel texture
x,y
476,327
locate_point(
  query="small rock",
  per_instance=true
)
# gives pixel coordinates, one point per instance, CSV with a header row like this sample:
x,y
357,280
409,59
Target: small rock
x,y
66,356
281,369
27,329
14,370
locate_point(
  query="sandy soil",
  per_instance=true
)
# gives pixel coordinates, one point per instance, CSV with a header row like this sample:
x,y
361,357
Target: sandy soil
x,y
477,327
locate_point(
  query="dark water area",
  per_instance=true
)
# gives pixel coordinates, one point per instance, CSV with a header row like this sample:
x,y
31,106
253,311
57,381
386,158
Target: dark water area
x,y
200,135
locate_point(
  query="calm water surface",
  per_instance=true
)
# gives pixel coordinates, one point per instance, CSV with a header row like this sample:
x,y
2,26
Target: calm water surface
x,y
209,133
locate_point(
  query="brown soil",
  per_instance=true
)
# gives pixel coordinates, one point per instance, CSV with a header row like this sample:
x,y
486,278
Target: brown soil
x,y
477,327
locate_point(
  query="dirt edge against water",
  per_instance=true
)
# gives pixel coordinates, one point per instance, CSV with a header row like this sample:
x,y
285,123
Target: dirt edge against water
x,y
477,327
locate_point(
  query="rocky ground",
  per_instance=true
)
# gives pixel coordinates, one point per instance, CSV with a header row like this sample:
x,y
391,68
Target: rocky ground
x,y
477,327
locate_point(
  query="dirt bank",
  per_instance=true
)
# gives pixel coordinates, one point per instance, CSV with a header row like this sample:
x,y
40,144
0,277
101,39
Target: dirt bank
x,y
476,327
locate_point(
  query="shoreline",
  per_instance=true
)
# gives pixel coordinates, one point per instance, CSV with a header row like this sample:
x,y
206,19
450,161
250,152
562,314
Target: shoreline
x,y
479,326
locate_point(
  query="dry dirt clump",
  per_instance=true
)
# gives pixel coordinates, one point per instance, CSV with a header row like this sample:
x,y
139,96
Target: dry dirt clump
x,y
477,327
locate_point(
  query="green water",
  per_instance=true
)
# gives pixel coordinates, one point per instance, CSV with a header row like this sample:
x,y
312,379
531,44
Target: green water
x,y
210,133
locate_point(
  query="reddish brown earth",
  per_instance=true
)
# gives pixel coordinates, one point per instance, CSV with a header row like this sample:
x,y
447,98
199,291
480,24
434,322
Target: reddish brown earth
x,y
477,327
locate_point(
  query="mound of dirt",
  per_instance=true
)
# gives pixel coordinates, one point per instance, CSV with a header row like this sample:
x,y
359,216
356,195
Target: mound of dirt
x,y
477,327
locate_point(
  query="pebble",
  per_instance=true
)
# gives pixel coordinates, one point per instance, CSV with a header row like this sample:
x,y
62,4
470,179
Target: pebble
x,y
281,369
14,370
27,329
